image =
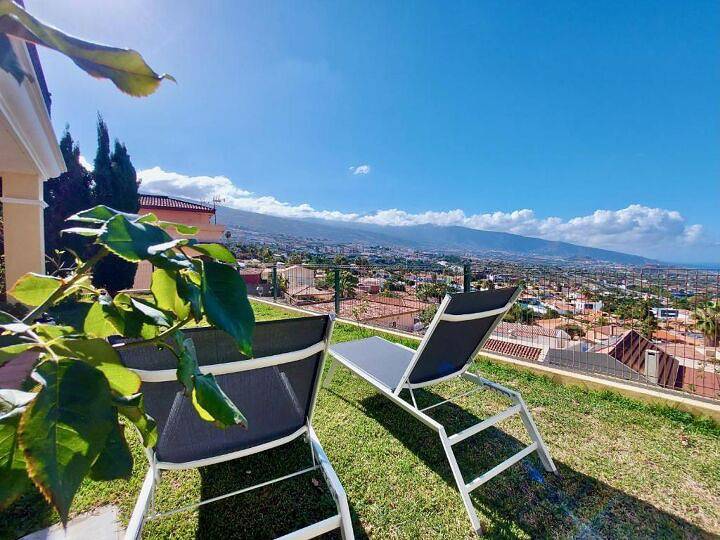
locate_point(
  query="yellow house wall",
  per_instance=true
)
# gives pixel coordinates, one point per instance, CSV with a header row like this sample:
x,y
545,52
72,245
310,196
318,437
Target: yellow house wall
x,y
22,225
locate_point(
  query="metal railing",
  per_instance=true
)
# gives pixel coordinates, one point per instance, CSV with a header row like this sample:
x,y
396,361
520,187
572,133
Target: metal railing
x,y
650,326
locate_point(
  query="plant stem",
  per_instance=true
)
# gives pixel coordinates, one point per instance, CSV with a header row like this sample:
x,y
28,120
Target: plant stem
x,y
83,269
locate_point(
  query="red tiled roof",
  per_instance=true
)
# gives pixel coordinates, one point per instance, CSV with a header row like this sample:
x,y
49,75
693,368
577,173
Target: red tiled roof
x,y
516,350
163,201
630,350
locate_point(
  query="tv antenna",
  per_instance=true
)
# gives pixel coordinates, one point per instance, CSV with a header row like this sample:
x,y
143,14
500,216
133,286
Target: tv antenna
x,y
215,202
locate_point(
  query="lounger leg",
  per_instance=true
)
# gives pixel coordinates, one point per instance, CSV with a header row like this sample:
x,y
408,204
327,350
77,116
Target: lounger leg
x,y
147,494
460,481
335,485
330,372
534,433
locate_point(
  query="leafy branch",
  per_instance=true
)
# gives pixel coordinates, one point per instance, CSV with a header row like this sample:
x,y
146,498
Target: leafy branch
x,y
68,428
126,68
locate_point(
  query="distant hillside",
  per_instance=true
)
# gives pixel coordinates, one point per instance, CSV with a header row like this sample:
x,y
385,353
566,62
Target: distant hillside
x,y
427,237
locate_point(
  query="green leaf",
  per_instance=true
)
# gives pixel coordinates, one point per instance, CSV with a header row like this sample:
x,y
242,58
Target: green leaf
x,y
70,312
147,218
34,289
175,242
14,400
189,291
53,331
216,251
213,405
103,321
130,240
179,227
124,67
103,356
82,231
99,214
14,480
11,351
115,461
164,286
133,408
64,429
226,304
9,61
187,362
152,314
171,261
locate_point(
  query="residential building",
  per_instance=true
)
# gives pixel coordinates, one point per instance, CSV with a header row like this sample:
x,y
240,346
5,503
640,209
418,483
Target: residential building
x,y
167,208
29,155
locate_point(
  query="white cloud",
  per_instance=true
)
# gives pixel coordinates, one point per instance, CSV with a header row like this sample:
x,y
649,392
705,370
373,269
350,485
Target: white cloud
x,y
85,163
360,169
654,232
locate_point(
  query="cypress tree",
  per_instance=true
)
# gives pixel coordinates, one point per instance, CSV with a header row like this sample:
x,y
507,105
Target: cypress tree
x,y
65,195
104,189
115,186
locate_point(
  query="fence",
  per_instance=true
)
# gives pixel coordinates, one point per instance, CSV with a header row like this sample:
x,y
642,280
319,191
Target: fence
x,y
656,327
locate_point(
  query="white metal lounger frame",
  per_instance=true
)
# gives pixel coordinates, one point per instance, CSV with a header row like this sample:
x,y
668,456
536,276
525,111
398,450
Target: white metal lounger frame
x,y
518,405
145,506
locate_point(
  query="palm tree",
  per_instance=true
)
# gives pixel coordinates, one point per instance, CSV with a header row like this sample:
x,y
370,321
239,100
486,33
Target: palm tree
x,y
707,321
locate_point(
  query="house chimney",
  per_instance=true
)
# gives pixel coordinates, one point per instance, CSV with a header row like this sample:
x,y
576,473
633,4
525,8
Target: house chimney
x,y
651,365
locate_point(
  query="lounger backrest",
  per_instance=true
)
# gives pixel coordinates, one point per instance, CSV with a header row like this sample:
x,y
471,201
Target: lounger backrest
x,y
275,390
461,326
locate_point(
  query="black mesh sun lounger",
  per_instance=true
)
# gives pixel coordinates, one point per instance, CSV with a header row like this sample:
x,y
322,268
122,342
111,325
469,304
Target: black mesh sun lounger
x,y
275,390
462,324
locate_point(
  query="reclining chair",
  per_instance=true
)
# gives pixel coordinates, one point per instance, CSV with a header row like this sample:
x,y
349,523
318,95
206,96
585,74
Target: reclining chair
x,y
462,324
276,391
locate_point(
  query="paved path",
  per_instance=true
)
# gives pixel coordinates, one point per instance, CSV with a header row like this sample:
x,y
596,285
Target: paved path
x,y
100,524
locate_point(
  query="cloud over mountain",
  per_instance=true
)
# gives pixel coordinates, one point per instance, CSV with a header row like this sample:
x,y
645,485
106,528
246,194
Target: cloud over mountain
x,y
654,232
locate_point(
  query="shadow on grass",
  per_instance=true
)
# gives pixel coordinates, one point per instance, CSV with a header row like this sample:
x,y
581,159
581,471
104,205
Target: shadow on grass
x,y
270,511
525,497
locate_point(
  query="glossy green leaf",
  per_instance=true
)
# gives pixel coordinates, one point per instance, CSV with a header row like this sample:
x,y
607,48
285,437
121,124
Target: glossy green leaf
x,y
34,289
179,227
226,304
115,461
70,312
187,362
131,240
124,67
14,480
82,231
99,214
164,287
64,429
133,408
189,291
216,251
213,405
152,314
11,351
14,400
103,321
171,244
147,218
101,355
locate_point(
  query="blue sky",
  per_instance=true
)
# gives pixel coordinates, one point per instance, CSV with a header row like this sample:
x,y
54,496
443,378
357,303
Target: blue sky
x,y
591,122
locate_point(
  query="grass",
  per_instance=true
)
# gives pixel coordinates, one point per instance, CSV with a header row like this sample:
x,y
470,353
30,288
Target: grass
x,y
626,470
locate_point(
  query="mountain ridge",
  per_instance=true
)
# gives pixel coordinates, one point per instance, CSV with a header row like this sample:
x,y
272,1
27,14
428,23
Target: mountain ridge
x,y
428,237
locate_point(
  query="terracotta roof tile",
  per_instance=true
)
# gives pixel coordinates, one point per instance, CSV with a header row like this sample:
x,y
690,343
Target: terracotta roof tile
x,y
163,201
516,350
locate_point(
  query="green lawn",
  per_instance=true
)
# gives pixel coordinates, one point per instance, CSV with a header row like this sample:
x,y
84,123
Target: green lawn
x,y
626,470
